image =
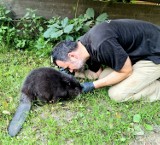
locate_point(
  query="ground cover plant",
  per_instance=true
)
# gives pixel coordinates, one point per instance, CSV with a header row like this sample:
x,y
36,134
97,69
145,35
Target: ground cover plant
x,y
89,119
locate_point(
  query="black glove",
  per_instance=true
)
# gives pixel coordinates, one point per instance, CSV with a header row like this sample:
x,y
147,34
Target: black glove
x,y
66,71
87,87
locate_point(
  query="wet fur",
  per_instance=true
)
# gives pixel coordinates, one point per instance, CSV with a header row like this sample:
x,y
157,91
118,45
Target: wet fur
x,y
48,84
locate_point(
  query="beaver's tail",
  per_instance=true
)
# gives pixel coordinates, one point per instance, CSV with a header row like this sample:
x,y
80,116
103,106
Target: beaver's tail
x,y
20,115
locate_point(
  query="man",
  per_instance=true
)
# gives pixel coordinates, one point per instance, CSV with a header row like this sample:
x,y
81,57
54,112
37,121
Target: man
x,y
122,53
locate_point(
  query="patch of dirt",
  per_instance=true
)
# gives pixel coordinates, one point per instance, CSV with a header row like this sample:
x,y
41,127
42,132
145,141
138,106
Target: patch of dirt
x,y
151,138
65,116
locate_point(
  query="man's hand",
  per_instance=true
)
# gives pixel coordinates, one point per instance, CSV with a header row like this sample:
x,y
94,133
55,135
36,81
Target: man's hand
x,y
87,87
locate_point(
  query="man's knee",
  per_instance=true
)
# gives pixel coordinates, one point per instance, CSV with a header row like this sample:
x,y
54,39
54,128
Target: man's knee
x,y
117,96
105,72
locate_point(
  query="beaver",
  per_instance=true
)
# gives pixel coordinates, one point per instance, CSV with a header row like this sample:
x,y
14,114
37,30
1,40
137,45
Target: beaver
x,y
46,85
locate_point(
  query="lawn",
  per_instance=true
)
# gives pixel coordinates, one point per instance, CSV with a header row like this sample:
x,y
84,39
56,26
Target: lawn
x,y
89,119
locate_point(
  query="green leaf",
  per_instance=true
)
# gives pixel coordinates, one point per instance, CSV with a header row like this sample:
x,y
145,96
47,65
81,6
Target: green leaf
x,y
102,17
26,15
49,32
86,28
123,139
64,22
34,15
56,34
68,37
89,23
78,28
40,29
56,26
90,13
7,11
148,127
68,28
136,118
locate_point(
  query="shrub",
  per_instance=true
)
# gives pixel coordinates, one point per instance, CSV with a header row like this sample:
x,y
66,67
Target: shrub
x,y
71,29
35,32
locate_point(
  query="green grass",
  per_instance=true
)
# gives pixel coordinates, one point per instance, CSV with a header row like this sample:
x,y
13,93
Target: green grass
x,y
90,119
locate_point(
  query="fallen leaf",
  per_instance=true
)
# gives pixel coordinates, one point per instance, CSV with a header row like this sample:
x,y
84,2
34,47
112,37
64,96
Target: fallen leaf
x,y
118,115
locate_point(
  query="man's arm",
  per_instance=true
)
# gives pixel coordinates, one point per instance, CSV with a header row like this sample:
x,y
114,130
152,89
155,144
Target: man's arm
x,y
115,77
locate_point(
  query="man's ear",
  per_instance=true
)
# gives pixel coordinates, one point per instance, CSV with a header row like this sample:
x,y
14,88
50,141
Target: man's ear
x,y
72,54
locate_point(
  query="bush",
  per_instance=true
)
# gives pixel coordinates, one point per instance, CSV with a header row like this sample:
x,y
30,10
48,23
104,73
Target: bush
x,y
35,32
71,29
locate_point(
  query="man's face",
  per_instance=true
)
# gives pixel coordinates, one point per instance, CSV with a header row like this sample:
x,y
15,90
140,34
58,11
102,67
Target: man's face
x,y
72,65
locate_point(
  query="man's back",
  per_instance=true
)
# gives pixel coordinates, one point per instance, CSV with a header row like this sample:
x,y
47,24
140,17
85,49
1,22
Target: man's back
x,y
139,39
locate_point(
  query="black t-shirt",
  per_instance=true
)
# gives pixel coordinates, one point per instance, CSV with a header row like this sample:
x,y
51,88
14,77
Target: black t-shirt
x,y
111,42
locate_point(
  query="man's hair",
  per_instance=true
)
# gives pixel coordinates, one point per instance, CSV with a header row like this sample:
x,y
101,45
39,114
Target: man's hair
x,y
61,50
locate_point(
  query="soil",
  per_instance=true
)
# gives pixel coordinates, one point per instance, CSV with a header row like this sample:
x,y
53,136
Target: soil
x,y
149,138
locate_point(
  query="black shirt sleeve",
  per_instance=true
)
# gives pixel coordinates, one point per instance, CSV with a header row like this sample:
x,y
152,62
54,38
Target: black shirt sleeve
x,y
112,54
